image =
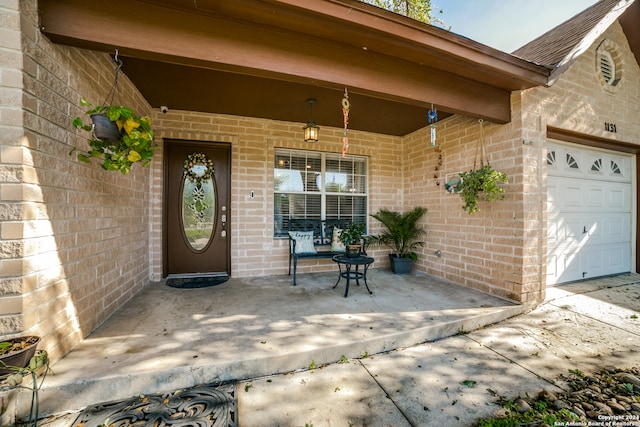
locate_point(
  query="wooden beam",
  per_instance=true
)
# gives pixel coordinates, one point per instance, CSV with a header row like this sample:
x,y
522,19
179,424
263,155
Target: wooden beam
x,y
215,43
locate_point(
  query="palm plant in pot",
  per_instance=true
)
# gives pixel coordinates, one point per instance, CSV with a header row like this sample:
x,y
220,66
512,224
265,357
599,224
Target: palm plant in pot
x,y
403,234
351,238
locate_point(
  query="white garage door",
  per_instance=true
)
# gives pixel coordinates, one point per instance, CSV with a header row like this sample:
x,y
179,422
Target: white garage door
x,y
589,212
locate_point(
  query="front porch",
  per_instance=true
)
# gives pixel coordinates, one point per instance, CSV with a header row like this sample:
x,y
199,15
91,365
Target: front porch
x,y
166,339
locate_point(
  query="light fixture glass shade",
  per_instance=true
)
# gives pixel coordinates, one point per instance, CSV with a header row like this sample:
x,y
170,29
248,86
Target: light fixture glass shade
x,y
311,132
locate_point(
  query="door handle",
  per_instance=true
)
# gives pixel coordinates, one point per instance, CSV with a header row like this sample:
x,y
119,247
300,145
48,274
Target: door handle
x,y
584,230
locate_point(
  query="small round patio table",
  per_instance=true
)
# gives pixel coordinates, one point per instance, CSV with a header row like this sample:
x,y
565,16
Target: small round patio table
x,y
349,273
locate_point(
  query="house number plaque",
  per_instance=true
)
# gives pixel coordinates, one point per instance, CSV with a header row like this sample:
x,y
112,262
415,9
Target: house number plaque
x,y
610,127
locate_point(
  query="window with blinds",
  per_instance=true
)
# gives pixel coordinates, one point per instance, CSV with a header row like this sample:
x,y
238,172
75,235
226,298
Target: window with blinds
x,y
314,185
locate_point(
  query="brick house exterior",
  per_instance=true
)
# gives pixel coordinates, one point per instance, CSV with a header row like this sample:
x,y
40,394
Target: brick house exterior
x,y
78,242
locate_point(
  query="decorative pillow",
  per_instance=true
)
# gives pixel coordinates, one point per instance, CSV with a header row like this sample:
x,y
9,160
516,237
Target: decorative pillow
x,y
304,241
336,243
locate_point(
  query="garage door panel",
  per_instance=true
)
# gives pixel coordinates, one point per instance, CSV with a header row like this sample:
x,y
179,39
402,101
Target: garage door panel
x,y
612,228
573,197
617,228
619,198
605,259
567,195
569,265
595,197
571,229
589,213
567,268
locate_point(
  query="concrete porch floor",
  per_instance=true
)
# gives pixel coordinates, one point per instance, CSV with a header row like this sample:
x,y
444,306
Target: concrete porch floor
x,y
165,338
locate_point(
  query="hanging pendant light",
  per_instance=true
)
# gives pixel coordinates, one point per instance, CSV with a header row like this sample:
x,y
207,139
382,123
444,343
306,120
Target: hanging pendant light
x,y
311,130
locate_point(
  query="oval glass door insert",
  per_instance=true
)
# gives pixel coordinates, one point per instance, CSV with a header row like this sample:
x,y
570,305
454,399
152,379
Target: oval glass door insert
x,y
198,201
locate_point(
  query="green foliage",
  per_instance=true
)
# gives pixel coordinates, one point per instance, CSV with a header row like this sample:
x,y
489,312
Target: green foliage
x,y
402,233
352,234
538,415
420,10
134,145
481,184
38,362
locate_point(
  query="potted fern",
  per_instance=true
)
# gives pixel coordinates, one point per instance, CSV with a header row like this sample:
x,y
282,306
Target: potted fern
x,y
481,184
402,235
119,137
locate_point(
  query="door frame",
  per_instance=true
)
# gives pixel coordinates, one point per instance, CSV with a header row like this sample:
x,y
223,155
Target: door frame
x,y
165,202
612,145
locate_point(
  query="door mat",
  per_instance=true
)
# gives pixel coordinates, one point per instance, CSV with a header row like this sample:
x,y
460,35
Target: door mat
x,y
206,405
190,282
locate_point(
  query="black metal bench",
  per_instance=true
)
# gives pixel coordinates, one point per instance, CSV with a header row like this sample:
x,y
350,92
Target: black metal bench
x,y
322,233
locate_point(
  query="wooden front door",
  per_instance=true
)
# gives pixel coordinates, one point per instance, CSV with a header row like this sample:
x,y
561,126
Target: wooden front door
x,y
196,210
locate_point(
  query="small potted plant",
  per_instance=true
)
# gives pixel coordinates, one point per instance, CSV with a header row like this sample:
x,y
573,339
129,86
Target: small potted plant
x,y
402,235
19,359
351,237
119,137
17,352
481,184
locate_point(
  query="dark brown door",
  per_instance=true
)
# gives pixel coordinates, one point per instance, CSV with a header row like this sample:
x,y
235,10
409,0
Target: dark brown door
x,y
196,212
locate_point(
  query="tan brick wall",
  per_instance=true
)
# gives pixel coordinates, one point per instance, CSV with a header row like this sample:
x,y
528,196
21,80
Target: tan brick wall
x,y
483,250
579,102
73,236
502,249
77,241
253,142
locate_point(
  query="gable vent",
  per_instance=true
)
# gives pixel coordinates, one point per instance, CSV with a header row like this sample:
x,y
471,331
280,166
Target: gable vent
x,y
607,67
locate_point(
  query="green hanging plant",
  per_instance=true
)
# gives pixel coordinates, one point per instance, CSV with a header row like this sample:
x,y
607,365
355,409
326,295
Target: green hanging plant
x,y
119,137
481,184
130,140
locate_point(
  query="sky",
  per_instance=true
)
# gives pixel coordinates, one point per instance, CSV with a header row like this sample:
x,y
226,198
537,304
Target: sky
x,y
506,24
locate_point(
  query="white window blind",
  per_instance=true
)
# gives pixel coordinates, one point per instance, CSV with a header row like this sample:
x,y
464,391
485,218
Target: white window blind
x,y
314,185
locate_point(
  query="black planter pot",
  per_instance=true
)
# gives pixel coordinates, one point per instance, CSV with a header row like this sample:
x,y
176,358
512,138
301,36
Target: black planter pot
x,y
400,265
104,129
19,358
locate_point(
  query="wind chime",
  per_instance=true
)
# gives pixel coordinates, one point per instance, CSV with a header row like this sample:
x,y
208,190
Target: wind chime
x,y
432,117
345,113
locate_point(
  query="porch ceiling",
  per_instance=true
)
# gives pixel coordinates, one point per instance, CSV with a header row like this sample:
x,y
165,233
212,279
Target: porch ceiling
x,y
264,58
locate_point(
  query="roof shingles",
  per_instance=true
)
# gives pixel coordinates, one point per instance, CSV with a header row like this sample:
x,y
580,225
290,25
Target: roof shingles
x,y
551,48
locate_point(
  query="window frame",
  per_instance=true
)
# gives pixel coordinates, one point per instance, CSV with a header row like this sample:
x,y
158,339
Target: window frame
x,y
323,191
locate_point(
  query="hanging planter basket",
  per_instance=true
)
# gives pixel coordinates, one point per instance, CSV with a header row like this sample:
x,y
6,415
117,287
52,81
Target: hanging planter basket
x,y
104,129
480,183
119,137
